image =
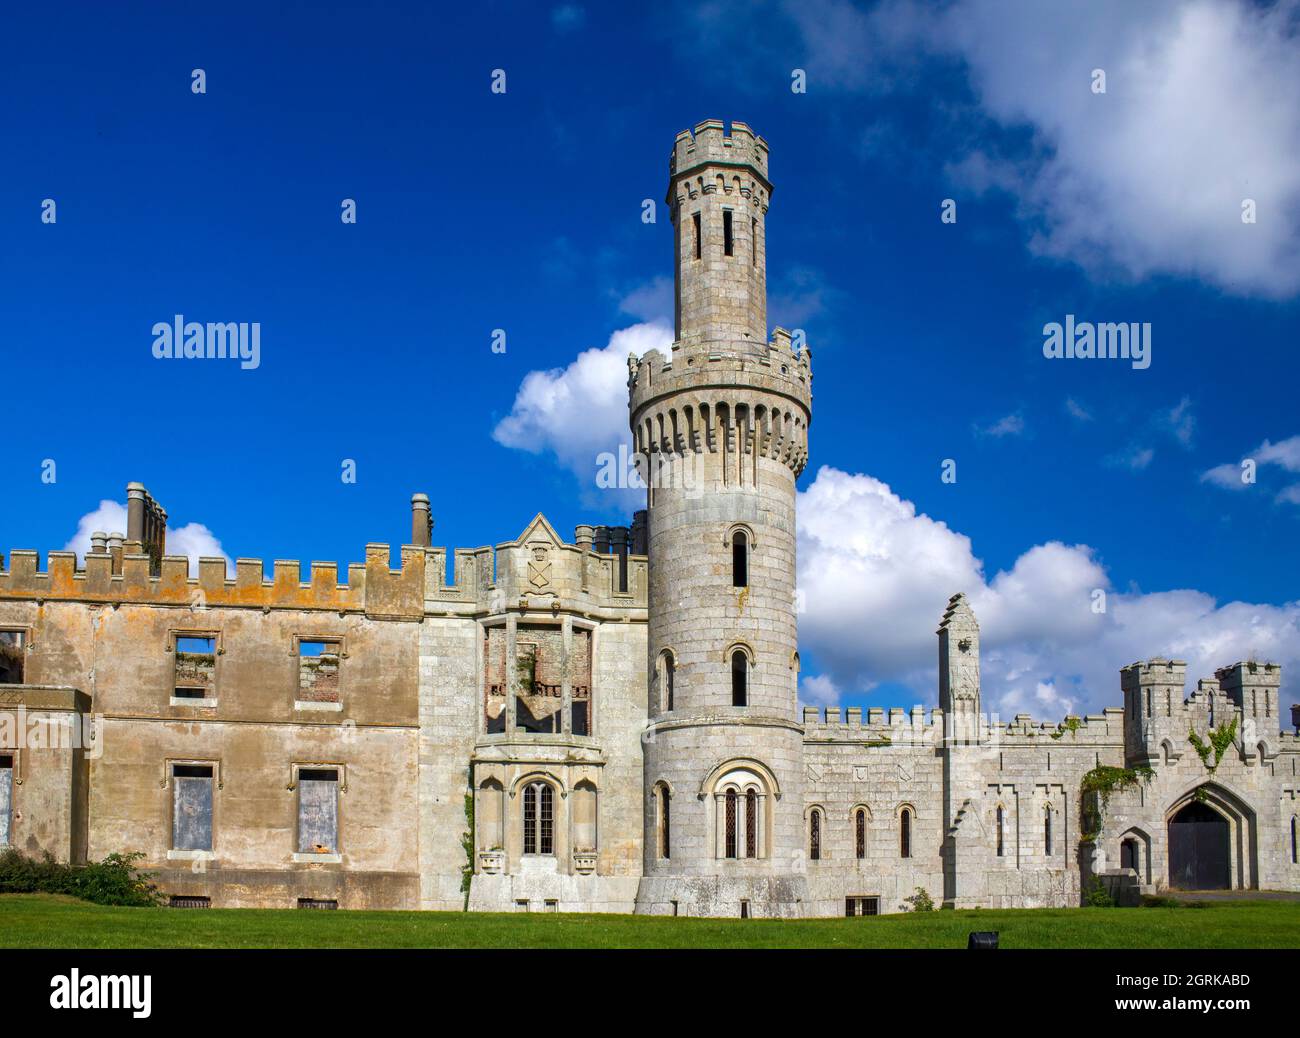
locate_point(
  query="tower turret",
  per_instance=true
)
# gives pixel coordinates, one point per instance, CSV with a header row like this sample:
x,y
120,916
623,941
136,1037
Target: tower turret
x,y
959,668
718,194
722,423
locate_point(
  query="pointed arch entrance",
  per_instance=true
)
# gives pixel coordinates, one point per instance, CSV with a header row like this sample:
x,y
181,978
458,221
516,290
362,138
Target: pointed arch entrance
x,y
1199,849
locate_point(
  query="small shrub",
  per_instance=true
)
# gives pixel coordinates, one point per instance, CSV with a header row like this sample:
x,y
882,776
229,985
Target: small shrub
x,y
921,901
113,881
1097,896
1151,901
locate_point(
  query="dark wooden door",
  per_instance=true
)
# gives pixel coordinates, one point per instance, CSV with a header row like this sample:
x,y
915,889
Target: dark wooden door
x,y
1198,849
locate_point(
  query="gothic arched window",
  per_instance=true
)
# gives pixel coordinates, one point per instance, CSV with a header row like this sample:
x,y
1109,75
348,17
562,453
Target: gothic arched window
x,y
539,818
739,678
751,824
815,835
860,832
905,833
667,679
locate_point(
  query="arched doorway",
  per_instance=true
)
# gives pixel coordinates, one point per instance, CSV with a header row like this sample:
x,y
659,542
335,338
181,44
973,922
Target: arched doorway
x,y
1199,849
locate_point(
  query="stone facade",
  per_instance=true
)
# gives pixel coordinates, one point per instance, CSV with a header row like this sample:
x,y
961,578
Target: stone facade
x,y
607,724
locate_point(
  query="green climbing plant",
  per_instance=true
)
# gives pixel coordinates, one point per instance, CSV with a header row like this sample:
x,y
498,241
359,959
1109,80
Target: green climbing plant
x,y
1070,724
1096,789
467,842
1219,740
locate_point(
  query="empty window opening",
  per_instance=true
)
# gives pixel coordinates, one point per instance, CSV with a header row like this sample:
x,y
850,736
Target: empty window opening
x,y
192,807
753,242
318,811
539,818
905,833
196,666
188,901
1047,830
696,219
854,906
318,671
739,559
12,657
1001,831
744,909
316,902
739,679
728,237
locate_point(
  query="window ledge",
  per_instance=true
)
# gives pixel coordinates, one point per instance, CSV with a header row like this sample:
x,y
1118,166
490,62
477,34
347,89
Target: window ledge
x,y
327,859
188,701
306,704
190,855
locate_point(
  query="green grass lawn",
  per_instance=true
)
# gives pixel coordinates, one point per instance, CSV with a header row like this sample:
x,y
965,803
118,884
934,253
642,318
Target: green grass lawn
x,y
44,921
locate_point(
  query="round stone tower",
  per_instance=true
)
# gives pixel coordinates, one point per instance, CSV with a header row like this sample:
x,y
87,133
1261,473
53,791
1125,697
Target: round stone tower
x,y
721,426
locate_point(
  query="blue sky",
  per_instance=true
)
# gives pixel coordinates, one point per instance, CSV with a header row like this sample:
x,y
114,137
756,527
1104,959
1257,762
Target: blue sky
x,y
522,211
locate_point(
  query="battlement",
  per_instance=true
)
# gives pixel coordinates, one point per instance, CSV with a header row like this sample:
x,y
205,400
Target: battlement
x,y
779,370
710,144
897,726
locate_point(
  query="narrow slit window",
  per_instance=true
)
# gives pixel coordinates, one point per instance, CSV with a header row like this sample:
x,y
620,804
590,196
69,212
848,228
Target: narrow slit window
x,y
860,833
731,823
665,823
815,836
1001,826
739,559
905,833
696,219
751,824
739,679
753,242
728,234
1047,830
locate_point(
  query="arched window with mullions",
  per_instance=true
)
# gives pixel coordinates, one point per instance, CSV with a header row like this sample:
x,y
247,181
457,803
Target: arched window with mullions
x,y
539,818
860,832
815,835
739,559
905,833
739,678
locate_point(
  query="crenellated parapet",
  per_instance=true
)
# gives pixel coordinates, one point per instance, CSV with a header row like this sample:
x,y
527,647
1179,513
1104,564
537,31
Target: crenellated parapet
x,y
709,144
712,401
898,727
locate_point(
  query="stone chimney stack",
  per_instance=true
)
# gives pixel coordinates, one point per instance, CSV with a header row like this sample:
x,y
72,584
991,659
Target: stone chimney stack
x,y
99,543
146,526
421,521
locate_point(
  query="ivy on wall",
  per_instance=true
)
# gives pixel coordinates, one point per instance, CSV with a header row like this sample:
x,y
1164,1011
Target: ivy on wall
x,y
1220,739
1095,791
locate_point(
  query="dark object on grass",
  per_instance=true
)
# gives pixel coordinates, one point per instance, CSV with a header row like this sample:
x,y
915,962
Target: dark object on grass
x,y
982,939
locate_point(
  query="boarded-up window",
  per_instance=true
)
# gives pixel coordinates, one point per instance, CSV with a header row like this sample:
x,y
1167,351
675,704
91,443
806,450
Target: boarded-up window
x,y
11,657
196,665
6,798
192,807
318,671
318,811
